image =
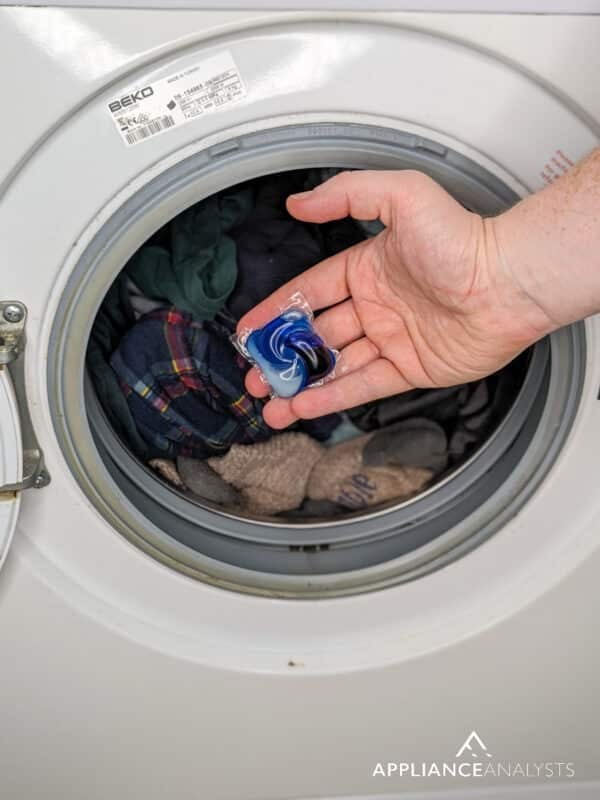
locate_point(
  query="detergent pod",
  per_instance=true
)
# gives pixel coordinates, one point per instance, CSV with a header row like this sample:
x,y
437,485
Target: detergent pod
x,y
289,353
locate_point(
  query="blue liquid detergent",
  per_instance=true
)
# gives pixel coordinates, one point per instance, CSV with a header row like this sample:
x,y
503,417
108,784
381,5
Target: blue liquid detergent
x,y
290,354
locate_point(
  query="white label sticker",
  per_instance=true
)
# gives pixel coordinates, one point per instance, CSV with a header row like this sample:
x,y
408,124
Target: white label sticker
x,y
147,110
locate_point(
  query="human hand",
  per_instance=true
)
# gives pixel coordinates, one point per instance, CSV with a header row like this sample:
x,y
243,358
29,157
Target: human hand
x,y
429,302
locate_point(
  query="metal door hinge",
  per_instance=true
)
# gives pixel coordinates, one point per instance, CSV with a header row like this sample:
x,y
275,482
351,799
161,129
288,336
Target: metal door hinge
x,y
34,474
13,315
12,329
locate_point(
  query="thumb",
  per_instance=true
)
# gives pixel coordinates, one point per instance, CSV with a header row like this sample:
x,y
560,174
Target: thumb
x,y
362,194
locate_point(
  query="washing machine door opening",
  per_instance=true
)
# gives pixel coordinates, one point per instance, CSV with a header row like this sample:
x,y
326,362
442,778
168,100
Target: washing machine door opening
x,y
321,539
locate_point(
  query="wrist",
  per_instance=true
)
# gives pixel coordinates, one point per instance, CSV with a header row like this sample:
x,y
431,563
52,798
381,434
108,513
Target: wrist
x,y
524,315
548,248
530,271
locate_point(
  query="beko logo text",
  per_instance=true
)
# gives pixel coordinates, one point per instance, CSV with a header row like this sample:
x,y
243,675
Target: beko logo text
x,y
481,764
130,99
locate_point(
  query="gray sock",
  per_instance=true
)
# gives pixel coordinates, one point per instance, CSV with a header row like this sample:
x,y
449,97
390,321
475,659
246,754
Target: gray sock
x,y
414,442
204,482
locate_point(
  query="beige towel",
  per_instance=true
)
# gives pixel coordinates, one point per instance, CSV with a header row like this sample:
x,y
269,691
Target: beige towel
x,y
271,475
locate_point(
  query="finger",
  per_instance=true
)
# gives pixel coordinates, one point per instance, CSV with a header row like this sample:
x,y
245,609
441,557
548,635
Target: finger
x,y
356,356
376,380
362,194
322,285
255,384
340,325
278,413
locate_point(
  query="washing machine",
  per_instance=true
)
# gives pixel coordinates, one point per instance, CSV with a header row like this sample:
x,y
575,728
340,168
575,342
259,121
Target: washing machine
x,y
441,647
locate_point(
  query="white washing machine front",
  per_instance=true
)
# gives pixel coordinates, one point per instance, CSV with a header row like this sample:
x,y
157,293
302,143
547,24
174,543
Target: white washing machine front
x,y
145,665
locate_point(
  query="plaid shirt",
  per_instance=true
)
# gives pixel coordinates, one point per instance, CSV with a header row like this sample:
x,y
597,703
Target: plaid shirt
x,y
184,384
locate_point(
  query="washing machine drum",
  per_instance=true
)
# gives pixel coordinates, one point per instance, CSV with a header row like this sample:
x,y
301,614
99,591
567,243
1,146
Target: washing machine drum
x,y
344,492
239,111
400,482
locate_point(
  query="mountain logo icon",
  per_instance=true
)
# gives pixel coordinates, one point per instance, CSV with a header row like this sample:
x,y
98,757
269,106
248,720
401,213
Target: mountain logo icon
x,y
474,739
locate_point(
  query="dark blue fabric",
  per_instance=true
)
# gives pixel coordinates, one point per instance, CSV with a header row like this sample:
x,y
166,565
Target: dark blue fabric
x,y
184,384
272,247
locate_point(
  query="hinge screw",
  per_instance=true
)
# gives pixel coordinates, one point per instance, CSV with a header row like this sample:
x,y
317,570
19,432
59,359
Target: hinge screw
x,y
43,479
14,313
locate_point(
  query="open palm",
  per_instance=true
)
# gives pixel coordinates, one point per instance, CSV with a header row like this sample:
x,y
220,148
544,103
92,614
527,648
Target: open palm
x,y
426,303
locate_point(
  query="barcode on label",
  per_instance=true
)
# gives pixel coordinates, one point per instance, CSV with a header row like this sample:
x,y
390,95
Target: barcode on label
x,y
156,126
145,110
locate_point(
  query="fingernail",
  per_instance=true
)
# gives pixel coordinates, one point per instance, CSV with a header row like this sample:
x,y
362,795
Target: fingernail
x,y
300,195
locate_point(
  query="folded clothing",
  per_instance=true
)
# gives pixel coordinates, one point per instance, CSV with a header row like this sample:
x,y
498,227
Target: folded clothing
x,y
342,477
184,385
271,476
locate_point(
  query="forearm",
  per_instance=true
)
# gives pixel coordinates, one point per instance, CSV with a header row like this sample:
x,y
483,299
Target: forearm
x,y
549,244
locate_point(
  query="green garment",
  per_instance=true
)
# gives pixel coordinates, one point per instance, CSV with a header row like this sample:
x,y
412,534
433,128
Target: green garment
x,y
113,320
199,271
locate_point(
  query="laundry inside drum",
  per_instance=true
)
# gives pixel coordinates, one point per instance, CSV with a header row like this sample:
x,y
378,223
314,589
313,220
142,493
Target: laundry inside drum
x,y
166,385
